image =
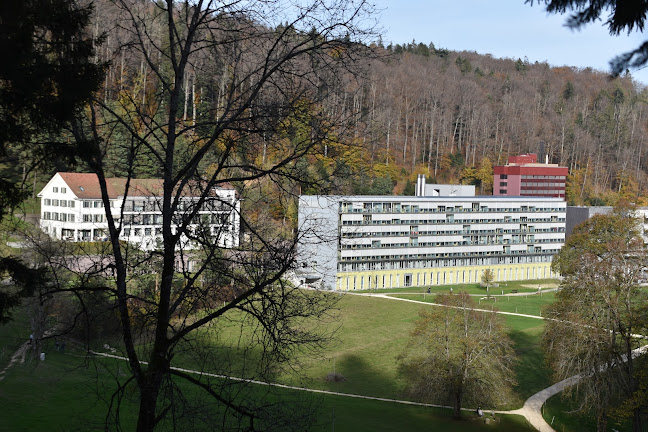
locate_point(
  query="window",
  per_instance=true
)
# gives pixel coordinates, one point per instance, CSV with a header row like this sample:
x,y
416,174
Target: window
x,y
87,218
55,189
87,204
97,204
70,217
48,201
148,231
98,218
71,203
63,190
55,202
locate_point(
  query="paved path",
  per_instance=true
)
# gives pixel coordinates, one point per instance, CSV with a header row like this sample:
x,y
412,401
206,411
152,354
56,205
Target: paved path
x,y
440,305
19,355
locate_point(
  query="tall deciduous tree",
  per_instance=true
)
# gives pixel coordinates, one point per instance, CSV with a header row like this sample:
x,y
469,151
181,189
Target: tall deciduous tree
x,y
591,328
259,75
458,355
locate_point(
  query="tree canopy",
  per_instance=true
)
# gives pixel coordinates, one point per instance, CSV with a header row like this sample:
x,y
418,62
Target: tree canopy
x,y
458,355
47,76
600,308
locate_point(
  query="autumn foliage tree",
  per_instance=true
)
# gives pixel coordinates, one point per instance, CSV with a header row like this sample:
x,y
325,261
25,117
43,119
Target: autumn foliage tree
x,y
591,329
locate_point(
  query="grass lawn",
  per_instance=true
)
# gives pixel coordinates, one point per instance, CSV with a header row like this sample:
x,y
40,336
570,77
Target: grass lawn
x,y
59,394
13,335
531,304
561,412
64,394
530,286
366,350
531,372
345,414
371,333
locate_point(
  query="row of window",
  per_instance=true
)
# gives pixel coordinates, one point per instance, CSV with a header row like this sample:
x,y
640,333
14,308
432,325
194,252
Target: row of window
x,y
128,219
58,203
97,218
148,232
546,177
55,216
415,243
56,190
154,205
359,234
156,219
441,277
94,204
69,217
542,184
451,220
506,252
346,207
461,262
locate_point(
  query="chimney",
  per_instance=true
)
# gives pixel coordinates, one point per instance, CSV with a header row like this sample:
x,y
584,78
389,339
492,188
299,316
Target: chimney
x,y
420,185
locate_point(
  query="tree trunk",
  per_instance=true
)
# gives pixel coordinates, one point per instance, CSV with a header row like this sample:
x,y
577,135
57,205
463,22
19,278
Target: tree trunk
x,y
457,405
148,404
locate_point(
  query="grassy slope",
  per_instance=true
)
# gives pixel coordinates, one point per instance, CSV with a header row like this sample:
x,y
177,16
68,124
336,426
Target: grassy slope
x,y
372,334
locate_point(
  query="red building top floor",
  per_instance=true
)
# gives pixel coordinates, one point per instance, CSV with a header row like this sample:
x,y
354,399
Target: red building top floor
x,y
523,159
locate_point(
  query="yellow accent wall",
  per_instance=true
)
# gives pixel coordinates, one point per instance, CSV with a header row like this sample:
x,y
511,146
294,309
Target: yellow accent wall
x,y
379,279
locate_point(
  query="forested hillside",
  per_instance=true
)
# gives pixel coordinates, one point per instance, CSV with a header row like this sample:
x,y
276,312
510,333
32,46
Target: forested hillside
x,y
416,109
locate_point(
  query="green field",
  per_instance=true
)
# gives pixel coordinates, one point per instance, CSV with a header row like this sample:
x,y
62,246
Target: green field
x,y
531,304
529,286
371,333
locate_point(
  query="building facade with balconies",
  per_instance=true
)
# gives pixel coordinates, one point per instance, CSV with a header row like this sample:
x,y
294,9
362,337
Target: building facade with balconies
x,y
375,242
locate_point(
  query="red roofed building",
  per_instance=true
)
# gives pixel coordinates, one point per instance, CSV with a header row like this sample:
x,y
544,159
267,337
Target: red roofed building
x,y
72,209
524,176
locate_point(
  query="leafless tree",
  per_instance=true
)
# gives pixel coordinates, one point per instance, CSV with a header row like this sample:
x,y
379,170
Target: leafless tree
x,y
459,356
219,94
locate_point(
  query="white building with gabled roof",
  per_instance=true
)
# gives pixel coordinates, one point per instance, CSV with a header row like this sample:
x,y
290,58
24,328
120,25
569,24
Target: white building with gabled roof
x,y
72,209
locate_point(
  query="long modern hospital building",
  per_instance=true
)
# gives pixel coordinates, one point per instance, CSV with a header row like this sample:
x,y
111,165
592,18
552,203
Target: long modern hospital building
x,y
374,242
